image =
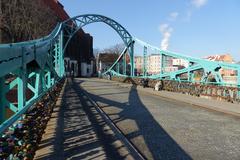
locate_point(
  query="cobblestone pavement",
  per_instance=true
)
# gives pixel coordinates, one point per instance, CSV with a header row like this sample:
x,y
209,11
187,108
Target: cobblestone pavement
x,y
162,128
77,131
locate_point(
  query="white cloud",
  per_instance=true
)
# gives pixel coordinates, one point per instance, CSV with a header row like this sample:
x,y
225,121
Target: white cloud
x,y
199,3
194,4
166,31
173,16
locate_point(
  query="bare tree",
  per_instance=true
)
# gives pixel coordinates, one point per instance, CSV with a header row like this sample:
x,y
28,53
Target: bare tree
x,y
22,20
116,49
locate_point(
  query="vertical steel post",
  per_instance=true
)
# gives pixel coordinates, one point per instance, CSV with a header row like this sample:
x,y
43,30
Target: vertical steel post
x,y
61,57
124,64
56,56
37,84
42,81
162,62
48,77
144,61
22,83
132,59
189,73
2,100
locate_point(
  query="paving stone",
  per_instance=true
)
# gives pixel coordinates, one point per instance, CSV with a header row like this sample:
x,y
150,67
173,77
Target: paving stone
x,y
167,128
77,131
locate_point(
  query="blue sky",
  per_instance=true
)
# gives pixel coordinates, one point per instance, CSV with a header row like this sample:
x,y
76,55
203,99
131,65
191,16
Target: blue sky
x,y
193,27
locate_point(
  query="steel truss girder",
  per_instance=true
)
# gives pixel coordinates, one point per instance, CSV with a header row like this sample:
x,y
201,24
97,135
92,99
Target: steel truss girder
x,y
74,24
17,60
206,65
48,53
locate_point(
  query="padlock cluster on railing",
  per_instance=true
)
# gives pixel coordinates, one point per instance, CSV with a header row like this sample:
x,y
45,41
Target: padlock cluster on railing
x,y
227,93
20,141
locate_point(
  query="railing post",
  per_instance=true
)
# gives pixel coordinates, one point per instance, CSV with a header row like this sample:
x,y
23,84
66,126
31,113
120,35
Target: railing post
x,y
48,79
22,83
132,60
189,72
61,55
37,84
2,100
162,61
42,81
144,61
124,64
57,56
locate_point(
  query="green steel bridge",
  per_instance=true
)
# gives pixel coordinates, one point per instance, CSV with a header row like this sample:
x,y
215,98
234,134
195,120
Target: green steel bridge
x,y
38,66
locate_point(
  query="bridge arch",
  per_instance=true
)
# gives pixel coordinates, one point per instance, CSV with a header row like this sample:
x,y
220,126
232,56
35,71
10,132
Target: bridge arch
x,y
73,25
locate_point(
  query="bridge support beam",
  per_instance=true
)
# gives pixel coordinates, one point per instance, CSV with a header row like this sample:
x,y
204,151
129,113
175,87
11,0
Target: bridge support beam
x,y
61,54
2,100
124,64
144,61
22,83
161,63
132,59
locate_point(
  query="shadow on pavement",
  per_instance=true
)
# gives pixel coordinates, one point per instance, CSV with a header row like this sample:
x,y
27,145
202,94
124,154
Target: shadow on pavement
x,y
156,142
77,134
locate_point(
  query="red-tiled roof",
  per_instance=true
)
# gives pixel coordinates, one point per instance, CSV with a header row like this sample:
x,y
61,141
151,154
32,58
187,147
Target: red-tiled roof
x,y
224,58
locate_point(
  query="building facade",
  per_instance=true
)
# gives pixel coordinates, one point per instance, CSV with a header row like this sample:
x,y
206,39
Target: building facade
x,y
80,48
181,63
154,64
138,62
227,58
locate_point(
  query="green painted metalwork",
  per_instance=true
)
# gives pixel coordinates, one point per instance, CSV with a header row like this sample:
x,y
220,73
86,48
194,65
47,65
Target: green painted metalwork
x,y
27,67
195,64
36,66
71,26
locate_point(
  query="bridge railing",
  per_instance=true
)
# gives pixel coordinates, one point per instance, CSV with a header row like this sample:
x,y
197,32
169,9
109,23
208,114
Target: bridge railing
x,y
211,90
159,65
28,71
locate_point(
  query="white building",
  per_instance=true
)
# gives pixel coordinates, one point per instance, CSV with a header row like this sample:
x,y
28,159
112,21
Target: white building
x,y
180,62
154,64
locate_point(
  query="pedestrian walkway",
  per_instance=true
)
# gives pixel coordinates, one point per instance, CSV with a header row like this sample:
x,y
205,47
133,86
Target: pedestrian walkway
x,y
217,105
77,131
165,128
159,126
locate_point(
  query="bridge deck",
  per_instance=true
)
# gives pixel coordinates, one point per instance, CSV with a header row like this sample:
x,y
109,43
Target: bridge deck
x,y
77,131
160,128
164,128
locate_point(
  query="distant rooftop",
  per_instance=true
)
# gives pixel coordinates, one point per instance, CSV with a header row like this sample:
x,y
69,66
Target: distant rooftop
x,y
223,58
